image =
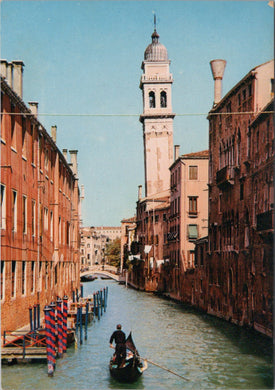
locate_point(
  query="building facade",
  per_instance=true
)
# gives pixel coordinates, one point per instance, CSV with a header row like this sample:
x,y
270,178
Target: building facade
x,y
39,208
93,243
241,147
188,217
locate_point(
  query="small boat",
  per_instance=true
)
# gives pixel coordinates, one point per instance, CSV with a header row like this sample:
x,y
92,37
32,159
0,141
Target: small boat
x,y
88,278
133,367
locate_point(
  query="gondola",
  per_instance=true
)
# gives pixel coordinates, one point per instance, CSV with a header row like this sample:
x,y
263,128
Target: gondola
x,y
133,367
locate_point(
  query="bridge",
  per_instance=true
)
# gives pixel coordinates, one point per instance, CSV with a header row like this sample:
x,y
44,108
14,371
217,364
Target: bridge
x,y
108,271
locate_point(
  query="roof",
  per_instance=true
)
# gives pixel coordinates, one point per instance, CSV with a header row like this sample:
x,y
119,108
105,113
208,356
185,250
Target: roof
x,y
202,154
155,51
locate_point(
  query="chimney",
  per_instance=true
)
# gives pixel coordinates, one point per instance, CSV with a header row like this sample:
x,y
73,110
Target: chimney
x,y
10,74
65,154
3,69
73,154
53,135
139,192
217,67
18,77
34,108
176,151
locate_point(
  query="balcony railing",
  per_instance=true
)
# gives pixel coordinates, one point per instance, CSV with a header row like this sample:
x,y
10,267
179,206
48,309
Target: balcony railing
x,y
225,177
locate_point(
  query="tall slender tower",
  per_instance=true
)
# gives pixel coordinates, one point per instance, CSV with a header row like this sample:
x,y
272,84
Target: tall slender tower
x,y
157,118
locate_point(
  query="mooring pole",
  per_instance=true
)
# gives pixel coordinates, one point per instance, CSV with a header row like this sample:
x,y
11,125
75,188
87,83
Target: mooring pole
x,y
86,319
38,315
59,327
49,342
94,308
98,305
65,327
80,325
81,290
52,332
101,302
34,317
73,296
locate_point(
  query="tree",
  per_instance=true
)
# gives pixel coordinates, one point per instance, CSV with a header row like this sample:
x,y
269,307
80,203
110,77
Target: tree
x,y
112,252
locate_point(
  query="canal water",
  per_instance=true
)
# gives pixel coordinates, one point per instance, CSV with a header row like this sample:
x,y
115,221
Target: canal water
x,y
207,351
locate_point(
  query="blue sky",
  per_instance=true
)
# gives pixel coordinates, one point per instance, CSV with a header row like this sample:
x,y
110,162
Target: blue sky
x,y
84,57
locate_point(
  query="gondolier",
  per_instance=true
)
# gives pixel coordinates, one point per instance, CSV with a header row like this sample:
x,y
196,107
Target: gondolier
x,y
119,337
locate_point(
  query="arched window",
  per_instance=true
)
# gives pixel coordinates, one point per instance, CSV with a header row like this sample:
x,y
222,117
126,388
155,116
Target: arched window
x,y
152,100
163,99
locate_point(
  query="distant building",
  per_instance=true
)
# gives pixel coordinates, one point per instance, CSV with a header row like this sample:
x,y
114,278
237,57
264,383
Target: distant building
x,y
94,241
39,208
241,147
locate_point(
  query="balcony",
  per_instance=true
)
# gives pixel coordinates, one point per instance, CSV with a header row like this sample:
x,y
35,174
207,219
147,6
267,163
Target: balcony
x,y
225,177
265,221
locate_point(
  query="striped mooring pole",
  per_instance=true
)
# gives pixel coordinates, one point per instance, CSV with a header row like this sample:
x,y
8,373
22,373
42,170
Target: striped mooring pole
x,y
49,342
59,327
52,331
65,328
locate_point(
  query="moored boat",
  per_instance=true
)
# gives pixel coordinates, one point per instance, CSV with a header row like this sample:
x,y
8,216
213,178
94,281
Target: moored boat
x,y
133,366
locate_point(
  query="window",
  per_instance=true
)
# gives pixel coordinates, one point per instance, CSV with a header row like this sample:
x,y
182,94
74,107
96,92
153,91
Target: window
x,y
192,232
23,136
163,99
59,229
23,277
152,100
241,190
193,172
193,209
33,218
46,219
46,160
67,233
32,143
14,211
24,214
3,207
2,279
51,226
191,258
13,278
32,276
13,128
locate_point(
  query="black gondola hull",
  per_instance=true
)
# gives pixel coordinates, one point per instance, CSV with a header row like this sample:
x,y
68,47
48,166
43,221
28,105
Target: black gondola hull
x,y
129,373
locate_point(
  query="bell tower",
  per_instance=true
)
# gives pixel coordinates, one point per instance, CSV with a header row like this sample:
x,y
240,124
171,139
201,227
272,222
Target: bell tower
x,y
157,118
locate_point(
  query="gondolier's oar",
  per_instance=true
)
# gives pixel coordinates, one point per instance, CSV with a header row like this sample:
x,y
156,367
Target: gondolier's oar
x,y
166,369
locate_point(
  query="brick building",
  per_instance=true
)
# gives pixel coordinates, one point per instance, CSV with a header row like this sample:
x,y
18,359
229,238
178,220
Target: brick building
x,y
39,208
241,147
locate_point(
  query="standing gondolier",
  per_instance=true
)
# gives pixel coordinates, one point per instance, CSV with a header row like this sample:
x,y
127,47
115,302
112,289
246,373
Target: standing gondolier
x,y
120,338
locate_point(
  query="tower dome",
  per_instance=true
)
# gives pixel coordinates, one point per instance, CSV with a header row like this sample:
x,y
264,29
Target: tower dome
x,y
155,51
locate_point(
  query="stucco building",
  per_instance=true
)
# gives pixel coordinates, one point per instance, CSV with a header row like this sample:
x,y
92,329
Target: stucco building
x,y
39,208
93,243
188,217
